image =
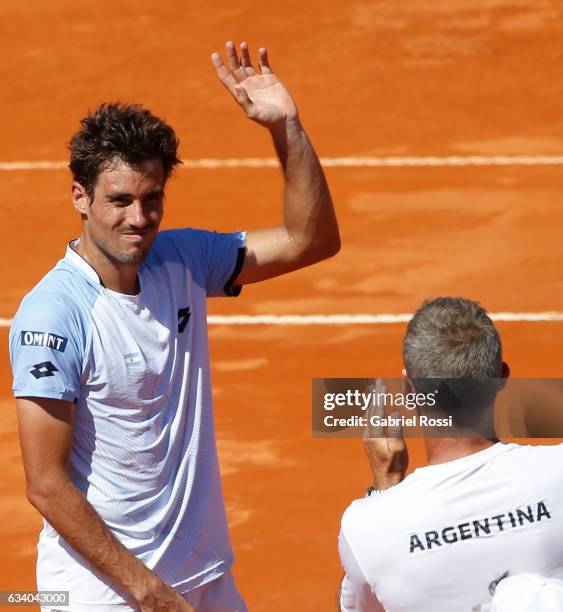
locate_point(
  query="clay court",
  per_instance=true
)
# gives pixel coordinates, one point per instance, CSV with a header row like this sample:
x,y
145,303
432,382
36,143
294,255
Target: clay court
x,y
373,81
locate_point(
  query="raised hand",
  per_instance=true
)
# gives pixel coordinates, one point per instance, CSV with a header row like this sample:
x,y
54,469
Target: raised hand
x,y
261,95
385,448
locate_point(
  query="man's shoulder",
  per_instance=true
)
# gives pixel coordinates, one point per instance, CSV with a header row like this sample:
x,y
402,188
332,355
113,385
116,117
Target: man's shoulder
x,y
379,505
372,525
62,293
185,245
50,335
213,258
173,252
170,240
534,456
513,462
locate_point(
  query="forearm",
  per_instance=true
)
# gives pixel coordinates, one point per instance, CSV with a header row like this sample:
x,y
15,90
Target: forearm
x,y
308,215
309,231
73,517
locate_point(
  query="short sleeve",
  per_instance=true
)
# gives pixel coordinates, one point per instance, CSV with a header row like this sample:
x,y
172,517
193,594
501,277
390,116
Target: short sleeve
x,y
47,348
215,259
225,260
355,591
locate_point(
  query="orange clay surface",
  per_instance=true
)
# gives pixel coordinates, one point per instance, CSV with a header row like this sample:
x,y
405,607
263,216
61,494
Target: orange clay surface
x,y
377,78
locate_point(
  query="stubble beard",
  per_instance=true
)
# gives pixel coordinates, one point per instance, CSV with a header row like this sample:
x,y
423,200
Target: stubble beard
x,y
118,256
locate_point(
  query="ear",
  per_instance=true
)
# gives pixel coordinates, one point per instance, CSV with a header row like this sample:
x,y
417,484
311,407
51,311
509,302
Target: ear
x,y
505,370
407,385
80,199
505,373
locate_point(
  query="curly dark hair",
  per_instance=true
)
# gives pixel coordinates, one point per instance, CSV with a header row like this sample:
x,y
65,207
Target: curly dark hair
x,y
125,131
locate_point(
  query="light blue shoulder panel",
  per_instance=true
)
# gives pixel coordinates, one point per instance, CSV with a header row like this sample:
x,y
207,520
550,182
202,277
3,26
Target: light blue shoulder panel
x,y
50,334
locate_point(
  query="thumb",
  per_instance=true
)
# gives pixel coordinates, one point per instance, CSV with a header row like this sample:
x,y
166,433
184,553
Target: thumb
x,y
244,100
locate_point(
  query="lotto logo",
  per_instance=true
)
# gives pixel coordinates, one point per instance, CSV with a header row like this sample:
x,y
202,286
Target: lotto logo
x,y
46,339
43,370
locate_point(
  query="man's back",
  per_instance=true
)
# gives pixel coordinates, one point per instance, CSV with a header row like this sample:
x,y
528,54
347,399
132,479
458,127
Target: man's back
x,y
439,538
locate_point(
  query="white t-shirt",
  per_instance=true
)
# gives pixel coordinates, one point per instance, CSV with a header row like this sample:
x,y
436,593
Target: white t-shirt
x,y
438,539
137,368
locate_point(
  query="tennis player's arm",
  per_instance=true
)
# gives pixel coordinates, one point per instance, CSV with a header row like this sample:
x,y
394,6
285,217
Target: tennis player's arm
x,y
309,231
45,428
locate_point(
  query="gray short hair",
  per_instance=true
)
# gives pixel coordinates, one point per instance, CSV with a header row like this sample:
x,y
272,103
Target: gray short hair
x,y
451,337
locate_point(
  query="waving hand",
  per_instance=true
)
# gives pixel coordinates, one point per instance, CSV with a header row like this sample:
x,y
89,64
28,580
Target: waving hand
x,y
261,95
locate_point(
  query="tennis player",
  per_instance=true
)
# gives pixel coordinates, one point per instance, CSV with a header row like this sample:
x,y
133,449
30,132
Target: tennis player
x,y
110,359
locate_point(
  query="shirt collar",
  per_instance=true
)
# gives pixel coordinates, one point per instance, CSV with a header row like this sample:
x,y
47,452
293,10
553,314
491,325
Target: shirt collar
x,y
464,463
79,262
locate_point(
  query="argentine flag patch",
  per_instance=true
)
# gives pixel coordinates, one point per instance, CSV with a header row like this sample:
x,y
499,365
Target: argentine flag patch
x,y
132,359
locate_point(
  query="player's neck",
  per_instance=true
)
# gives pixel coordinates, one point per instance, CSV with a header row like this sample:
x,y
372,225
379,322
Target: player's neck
x,y
119,277
442,450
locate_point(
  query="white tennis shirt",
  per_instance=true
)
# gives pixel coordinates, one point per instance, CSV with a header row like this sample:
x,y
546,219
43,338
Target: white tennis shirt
x,y
435,541
137,367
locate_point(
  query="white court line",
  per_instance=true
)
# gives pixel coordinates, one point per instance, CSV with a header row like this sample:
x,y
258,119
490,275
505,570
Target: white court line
x,y
332,162
362,319
351,319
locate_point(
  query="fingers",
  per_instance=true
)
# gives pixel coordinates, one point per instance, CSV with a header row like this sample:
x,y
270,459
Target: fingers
x,y
234,62
263,61
231,79
239,67
223,73
245,59
375,409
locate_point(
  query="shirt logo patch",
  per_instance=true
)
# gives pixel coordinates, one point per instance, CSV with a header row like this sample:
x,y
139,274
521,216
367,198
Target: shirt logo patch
x,y
184,315
46,339
43,370
132,360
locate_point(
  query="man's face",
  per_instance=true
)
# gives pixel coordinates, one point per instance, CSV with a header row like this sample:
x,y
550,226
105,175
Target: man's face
x,y
125,214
